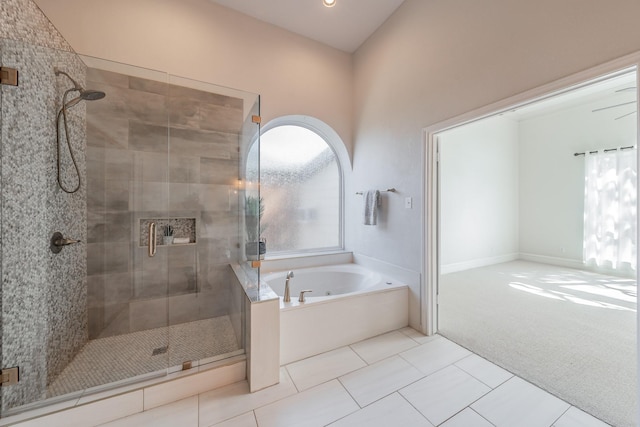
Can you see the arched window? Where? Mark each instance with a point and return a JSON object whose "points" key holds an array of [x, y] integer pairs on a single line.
{"points": [[301, 186]]}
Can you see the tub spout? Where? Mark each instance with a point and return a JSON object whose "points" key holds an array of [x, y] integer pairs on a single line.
{"points": [[301, 298], [287, 292]]}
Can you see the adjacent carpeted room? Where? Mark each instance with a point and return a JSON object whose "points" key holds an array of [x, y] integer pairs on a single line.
{"points": [[532, 201], [569, 331]]}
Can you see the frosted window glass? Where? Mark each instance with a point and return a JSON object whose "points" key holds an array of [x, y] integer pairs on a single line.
{"points": [[300, 186]]}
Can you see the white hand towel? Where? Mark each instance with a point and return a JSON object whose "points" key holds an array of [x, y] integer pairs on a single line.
{"points": [[371, 204]]}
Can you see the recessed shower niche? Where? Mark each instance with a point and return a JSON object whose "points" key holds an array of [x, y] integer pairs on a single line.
{"points": [[168, 231]]}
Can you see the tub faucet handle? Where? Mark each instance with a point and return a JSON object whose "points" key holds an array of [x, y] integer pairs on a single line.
{"points": [[301, 298]]}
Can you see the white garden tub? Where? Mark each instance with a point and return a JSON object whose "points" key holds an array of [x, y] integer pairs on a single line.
{"points": [[349, 303]]}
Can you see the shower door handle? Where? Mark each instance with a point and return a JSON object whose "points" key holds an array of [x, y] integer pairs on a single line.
{"points": [[152, 239]]}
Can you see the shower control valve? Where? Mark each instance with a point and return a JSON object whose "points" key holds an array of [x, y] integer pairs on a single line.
{"points": [[58, 241]]}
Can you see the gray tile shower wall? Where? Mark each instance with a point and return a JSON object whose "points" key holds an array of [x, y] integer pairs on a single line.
{"points": [[169, 153], [44, 318]]}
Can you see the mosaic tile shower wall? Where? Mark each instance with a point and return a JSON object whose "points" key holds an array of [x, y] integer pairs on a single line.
{"points": [[170, 153], [44, 319]]}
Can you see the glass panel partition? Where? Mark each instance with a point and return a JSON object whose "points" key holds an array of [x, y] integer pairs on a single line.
{"points": [[254, 244]]}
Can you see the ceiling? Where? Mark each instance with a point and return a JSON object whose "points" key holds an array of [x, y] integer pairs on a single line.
{"points": [[612, 96], [345, 26]]}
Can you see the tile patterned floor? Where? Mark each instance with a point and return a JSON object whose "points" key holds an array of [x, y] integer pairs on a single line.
{"points": [[107, 360], [401, 378]]}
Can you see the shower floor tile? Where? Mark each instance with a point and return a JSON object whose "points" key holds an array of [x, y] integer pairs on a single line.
{"points": [[116, 358]]}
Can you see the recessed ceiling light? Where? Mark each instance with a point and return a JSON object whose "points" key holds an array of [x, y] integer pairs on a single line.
{"points": [[329, 3]]}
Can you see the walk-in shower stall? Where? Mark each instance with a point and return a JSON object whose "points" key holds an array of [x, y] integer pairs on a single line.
{"points": [[143, 176]]}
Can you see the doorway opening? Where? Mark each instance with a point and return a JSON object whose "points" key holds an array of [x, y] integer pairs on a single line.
{"points": [[531, 237]]}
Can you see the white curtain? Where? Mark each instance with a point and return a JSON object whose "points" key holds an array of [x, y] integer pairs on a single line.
{"points": [[610, 210]]}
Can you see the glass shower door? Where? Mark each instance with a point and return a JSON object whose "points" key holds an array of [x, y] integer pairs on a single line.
{"points": [[127, 208], [205, 310]]}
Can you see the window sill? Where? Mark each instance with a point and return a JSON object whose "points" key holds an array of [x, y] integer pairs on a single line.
{"points": [[304, 260], [289, 255]]}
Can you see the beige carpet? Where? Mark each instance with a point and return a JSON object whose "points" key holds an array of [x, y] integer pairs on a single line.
{"points": [[571, 332], [106, 360]]}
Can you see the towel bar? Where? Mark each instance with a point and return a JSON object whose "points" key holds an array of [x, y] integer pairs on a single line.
{"points": [[388, 190]]}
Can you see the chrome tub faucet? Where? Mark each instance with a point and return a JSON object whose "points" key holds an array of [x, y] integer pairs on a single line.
{"points": [[287, 292]]}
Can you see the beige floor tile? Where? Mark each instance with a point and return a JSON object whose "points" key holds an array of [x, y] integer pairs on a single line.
{"points": [[227, 402], [483, 370], [317, 406], [434, 355], [466, 418], [393, 410], [318, 369], [517, 402], [377, 348], [445, 393], [369, 384], [183, 413], [244, 420]]}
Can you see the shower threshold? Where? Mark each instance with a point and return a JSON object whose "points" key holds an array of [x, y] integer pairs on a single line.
{"points": [[105, 361]]}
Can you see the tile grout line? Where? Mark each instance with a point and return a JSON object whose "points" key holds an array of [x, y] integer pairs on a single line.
{"points": [[286, 370], [425, 375], [352, 398], [411, 338], [350, 395], [561, 415], [469, 373], [480, 415], [411, 404], [460, 411], [359, 356]]}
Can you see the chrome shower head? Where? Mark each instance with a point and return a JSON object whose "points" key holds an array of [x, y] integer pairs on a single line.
{"points": [[84, 94], [91, 95]]}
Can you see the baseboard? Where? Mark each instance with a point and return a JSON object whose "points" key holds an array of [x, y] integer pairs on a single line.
{"points": [[479, 262], [551, 260], [579, 265]]}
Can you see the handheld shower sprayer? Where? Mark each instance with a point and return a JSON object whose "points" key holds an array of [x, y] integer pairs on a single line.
{"points": [[83, 95]]}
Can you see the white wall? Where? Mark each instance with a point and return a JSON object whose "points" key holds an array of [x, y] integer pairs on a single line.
{"points": [[201, 40], [431, 60], [479, 177], [437, 59], [552, 178], [513, 188]]}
